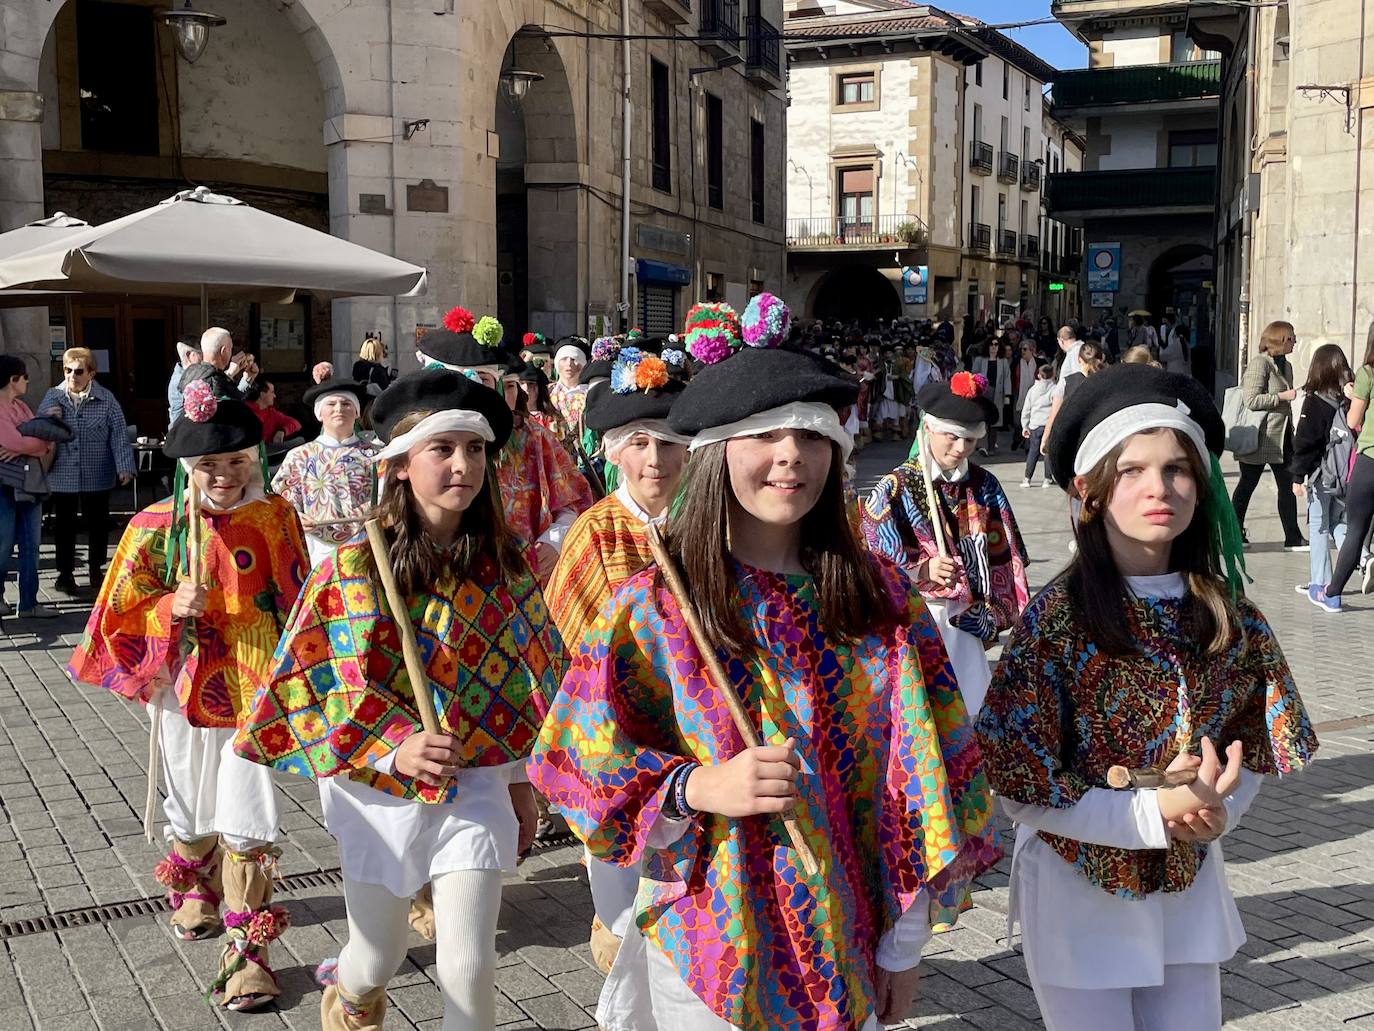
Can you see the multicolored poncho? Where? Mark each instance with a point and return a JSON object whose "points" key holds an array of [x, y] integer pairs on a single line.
{"points": [[339, 697], [253, 566], [327, 481], [601, 551], [538, 479], [1060, 712], [985, 542], [892, 797], [570, 401]]}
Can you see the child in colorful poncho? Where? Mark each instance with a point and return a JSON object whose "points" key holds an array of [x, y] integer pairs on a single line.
{"points": [[841, 671], [196, 655], [1143, 654], [605, 547], [409, 808], [978, 588]]}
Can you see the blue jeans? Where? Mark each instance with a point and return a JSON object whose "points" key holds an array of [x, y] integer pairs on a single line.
{"points": [[1325, 527], [1033, 450], [20, 523]]}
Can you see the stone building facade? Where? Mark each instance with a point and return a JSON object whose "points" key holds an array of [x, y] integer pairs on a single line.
{"points": [[386, 122], [915, 138]]}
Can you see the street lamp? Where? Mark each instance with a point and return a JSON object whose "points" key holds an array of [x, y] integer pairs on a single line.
{"points": [[810, 195], [190, 29], [516, 82]]}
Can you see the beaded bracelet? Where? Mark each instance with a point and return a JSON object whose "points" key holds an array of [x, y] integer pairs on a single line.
{"points": [[677, 808]]}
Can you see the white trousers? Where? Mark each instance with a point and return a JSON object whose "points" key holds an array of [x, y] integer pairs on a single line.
{"points": [[1188, 1000], [466, 906], [966, 654], [676, 1006], [210, 790]]}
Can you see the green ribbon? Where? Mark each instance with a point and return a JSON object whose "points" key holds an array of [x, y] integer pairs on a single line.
{"points": [[1226, 543]]}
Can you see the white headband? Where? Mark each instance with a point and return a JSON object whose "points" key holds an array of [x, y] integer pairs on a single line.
{"points": [[967, 430], [451, 420], [1153, 415], [798, 415], [614, 441], [570, 351], [347, 395]]}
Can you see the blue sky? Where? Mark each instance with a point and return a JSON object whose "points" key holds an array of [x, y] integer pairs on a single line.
{"points": [[1053, 43]]}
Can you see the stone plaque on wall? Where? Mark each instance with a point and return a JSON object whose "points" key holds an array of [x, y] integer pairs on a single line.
{"points": [[426, 196], [373, 204], [659, 239]]}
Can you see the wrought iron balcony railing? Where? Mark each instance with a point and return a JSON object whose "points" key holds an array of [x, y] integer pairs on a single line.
{"points": [[1131, 188], [763, 47], [844, 231], [980, 157], [720, 21], [1030, 247], [1006, 242], [1030, 176], [980, 237], [1008, 166]]}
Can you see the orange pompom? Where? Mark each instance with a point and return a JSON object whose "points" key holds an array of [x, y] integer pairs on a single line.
{"points": [[651, 373], [962, 384]]}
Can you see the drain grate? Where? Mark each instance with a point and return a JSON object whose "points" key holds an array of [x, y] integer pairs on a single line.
{"points": [[113, 911]]}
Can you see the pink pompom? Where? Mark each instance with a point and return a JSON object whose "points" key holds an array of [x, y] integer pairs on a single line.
{"points": [[199, 401]]}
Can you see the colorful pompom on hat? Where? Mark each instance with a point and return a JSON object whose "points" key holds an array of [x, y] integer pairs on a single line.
{"points": [[609, 408], [958, 399], [211, 426], [712, 332], [765, 321], [464, 342]]}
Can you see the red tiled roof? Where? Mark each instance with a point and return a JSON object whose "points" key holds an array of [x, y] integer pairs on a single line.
{"points": [[870, 26]]}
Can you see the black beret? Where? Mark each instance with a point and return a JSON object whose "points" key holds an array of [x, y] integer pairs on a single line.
{"points": [[758, 379], [233, 427], [940, 400], [336, 386], [1119, 387], [607, 410], [439, 390], [461, 349], [597, 368], [532, 373]]}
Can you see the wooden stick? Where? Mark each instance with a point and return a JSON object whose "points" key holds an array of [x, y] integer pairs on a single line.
{"points": [[932, 500], [193, 535], [721, 682], [1121, 777], [410, 648]]}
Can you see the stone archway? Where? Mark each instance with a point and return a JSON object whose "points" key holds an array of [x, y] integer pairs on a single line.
{"points": [[856, 293], [537, 214]]}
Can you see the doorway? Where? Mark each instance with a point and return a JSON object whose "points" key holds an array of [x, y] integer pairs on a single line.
{"points": [[134, 345]]}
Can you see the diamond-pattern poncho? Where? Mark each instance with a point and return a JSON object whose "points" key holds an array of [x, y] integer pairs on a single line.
{"points": [[339, 695], [253, 565], [892, 795]]}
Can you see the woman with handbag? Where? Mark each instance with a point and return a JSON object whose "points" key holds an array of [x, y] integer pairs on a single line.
{"points": [[1268, 387], [20, 512]]}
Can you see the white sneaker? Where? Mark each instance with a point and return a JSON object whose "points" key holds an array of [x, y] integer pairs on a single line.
{"points": [[1046, 484], [6, 609], [39, 612], [1302, 588], [1367, 580], [1026, 483]]}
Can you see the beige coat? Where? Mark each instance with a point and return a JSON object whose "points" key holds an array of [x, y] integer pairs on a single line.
{"points": [[1263, 383]]}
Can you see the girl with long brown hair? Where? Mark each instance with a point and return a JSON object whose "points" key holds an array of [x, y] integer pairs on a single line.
{"points": [[838, 667], [407, 807], [1144, 654]]}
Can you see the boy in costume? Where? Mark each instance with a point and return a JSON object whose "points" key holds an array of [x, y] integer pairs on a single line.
{"points": [[195, 647]]}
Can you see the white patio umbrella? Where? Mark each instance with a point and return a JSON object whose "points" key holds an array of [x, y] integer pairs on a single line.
{"points": [[199, 243], [60, 226]]}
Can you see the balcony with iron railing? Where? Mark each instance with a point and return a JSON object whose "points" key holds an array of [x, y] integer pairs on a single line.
{"points": [[1008, 166], [980, 157], [674, 12], [719, 30], [841, 231], [980, 237], [1030, 176], [1130, 189], [1137, 84], [1006, 243], [763, 51], [1030, 248]]}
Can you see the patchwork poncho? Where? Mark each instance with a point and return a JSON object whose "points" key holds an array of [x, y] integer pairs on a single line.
{"points": [[892, 795], [1060, 712], [339, 698], [538, 479], [253, 566], [601, 551], [326, 482], [984, 541]]}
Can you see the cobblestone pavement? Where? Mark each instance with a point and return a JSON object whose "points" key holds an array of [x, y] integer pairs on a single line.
{"points": [[72, 788]]}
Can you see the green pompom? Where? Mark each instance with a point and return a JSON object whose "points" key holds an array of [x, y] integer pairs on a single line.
{"points": [[488, 331]]}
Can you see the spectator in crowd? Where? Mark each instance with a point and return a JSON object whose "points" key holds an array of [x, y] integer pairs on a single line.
{"points": [[1035, 415], [1023, 378], [1069, 348], [86, 467], [1143, 334], [277, 426], [188, 355], [370, 368], [1268, 388], [230, 375], [1359, 491], [1173, 350], [1139, 356], [1321, 457], [20, 512]]}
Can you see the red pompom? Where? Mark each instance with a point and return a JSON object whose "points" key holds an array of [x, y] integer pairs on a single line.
{"points": [[459, 320], [530, 339], [962, 384]]}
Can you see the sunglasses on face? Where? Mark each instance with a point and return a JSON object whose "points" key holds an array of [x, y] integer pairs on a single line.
{"points": [[76, 372]]}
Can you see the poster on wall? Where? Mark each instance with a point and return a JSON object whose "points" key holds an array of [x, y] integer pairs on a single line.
{"points": [[1104, 267], [915, 284], [1101, 299]]}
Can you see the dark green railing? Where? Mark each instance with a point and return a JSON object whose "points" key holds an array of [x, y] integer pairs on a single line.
{"points": [[1137, 84], [1133, 188]]}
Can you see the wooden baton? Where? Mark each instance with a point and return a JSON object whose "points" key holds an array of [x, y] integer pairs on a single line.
{"points": [[1122, 777], [716, 674], [400, 615], [932, 502]]}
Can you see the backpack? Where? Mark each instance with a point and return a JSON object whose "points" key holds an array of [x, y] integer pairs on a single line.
{"points": [[1338, 458], [1242, 424]]}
